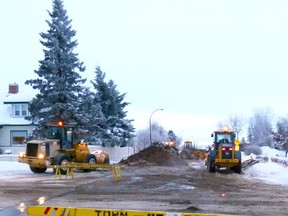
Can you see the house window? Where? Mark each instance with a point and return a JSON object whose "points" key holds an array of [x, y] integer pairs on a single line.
{"points": [[18, 137], [20, 110]]}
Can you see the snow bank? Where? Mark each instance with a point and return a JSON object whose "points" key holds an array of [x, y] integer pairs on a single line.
{"points": [[268, 152], [270, 172], [274, 171]]}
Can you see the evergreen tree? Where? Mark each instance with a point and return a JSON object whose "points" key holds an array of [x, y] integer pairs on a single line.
{"points": [[59, 82], [280, 136], [92, 117], [115, 129]]}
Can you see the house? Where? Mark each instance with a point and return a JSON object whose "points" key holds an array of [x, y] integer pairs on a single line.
{"points": [[14, 128]]}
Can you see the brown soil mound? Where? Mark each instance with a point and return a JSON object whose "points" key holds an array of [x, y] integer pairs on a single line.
{"points": [[155, 155]]}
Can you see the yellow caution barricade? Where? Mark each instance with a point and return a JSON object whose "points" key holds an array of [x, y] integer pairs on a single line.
{"points": [[70, 172], [115, 168], [58, 174], [69, 211], [116, 173]]}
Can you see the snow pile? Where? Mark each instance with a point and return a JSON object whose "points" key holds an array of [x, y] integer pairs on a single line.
{"points": [[273, 171], [268, 152], [270, 172]]}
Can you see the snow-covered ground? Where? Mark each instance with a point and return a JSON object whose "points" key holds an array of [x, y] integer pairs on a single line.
{"points": [[269, 172]]}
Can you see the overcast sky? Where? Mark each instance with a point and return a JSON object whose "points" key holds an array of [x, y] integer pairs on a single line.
{"points": [[201, 61]]}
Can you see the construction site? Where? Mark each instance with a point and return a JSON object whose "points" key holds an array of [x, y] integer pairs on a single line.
{"points": [[153, 181]]}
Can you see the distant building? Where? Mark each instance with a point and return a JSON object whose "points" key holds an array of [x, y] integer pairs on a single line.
{"points": [[14, 129]]}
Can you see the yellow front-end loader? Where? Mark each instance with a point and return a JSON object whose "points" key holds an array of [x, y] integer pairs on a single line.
{"points": [[59, 148], [190, 151]]}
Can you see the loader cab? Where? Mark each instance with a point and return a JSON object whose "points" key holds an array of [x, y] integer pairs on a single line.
{"points": [[188, 145], [223, 137], [62, 133]]}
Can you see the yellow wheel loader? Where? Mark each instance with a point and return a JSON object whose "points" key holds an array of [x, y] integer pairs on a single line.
{"points": [[190, 151], [58, 148], [225, 152]]}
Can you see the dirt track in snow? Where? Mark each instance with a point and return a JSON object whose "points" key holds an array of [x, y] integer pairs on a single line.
{"points": [[178, 188]]}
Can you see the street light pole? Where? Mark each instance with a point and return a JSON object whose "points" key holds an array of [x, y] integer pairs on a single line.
{"points": [[150, 124]]}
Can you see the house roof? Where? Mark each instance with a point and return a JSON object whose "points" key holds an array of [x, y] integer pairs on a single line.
{"points": [[24, 95]]}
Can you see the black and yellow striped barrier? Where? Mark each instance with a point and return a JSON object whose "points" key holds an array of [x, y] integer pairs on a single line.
{"points": [[62, 211], [85, 166]]}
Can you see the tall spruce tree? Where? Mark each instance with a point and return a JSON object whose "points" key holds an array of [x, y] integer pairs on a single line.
{"points": [[94, 117], [115, 129], [280, 136], [59, 82]]}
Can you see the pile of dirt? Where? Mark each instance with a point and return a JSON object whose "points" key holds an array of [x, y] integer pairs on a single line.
{"points": [[155, 155]]}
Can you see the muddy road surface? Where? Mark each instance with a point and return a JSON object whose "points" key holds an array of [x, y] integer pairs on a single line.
{"points": [[178, 188]]}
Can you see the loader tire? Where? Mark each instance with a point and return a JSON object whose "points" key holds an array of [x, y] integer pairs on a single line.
{"points": [[237, 169], [90, 159], [62, 159], [210, 166], [37, 169]]}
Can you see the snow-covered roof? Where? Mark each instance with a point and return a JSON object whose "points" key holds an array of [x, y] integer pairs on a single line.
{"points": [[24, 95]]}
